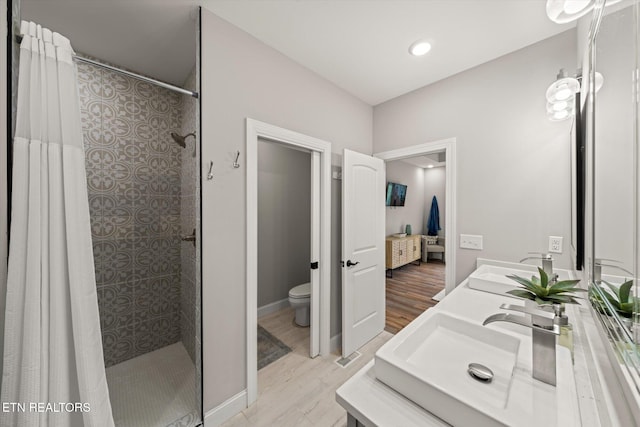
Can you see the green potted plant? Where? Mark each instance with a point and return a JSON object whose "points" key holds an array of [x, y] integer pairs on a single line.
{"points": [[623, 303], [541, 291], [622, 300]]}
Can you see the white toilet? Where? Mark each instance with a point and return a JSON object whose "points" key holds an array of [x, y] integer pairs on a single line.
{"points": [[300, 300]]}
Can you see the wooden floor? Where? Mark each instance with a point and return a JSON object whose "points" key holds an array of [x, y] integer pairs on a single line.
{"points": [[296, 390], [410, 290]]}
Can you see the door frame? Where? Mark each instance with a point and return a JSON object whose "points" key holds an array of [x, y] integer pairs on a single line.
{"points": [[449, 147], [254, 130]]}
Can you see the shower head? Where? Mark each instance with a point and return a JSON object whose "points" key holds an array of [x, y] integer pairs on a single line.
{"points": [[182, 140]]}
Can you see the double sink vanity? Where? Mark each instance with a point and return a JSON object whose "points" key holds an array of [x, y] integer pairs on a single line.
{"points": [[477, 358], [424, 375]]}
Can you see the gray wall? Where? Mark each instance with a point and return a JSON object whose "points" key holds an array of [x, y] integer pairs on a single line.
{"points": [[133, 179], [435, 185], [513, 182], [397, 217], [284, 220], [242, 77]]}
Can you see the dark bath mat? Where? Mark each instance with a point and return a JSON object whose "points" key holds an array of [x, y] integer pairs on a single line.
{"points": [[270, 348]]}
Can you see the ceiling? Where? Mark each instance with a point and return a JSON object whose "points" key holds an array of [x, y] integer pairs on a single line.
{"points": [[361, 46], [428, 161], [152, 37]]}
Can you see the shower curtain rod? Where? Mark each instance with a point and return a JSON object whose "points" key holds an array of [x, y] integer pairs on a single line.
{"points": [[129, 73]]}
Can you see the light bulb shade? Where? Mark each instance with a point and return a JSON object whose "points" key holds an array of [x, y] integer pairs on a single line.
{"points": [[558, 106], [554, 107], [557, 116], [599, 81], [563, 11], [560, 115], [562, 89]]}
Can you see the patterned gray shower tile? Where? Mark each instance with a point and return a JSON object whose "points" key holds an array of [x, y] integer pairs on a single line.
{"points": [[117, 204], [118, 345], [172, 184], [130, 160], [117, 261], [117, 305]]}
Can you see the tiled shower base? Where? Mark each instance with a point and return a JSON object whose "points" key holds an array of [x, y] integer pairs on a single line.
{"points": [[156, 389]]}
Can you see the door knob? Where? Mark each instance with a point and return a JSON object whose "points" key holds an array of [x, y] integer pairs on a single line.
{"points": [[350, 264]]}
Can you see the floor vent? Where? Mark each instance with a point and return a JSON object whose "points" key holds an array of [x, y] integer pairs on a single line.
{"points": [[343, 362]]}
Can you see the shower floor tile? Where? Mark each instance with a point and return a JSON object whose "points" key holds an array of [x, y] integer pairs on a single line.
{"points": [[156, 389]]}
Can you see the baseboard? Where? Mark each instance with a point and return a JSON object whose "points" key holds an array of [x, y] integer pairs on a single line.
{"points": [[439, 296], [273, 307], [335, 343], [226, 410]]}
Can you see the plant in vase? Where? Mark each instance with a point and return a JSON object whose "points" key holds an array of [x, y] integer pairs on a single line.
{"points": [[622, 299], [624, 304], [554, 294], [541, 291]]}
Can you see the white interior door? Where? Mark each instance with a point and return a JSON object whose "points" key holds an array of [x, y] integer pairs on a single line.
{"points": [[363, 272], [315, 255]]}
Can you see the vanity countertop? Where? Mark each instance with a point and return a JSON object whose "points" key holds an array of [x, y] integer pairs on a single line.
{"points": [[374, 403]]}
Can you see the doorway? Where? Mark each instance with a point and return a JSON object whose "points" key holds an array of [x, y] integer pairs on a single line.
{"points": [[415, 239], [448, 146], [319, 269]]}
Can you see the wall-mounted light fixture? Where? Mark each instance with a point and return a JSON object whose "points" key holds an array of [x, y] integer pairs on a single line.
{"points": [[563, 11], [561, 95]]}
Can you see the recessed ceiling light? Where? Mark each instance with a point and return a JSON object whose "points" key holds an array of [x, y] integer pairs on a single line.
{"points": [[430, 166], [419, 48]]}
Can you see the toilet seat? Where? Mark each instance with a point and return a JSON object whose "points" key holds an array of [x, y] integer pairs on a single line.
{"points": [[300, 291]]}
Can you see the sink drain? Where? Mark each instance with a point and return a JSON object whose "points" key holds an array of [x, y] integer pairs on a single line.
{"points": [[480, 372]]}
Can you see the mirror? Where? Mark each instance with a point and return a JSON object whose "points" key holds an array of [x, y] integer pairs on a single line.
{"points": [[611, 128]]}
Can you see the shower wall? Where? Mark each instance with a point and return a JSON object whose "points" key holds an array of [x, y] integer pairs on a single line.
{"points": [[133, 174], [189, 292]]}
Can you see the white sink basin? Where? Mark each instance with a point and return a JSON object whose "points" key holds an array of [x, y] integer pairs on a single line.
{"points": [[492, 278], [428, 364]]}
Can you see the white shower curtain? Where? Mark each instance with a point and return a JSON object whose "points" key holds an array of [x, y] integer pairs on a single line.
{"points": [[54, 372]]}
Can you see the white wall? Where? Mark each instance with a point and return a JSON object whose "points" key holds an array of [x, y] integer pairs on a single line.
{"points": [[513, 181], [614, 157], [397, 217], [242, 77], [284, 220], [435, 185]]}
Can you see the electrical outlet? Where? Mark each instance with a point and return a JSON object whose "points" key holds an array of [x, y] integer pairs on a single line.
{"points": [[555, 244], [471, 241]]}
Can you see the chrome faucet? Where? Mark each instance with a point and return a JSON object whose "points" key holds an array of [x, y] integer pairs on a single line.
{"points": [[547, 264], [597, 271], [544, 331]]}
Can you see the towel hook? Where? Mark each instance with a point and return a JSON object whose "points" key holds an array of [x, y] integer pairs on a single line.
{"points": [[235, 162], [210, 174]]}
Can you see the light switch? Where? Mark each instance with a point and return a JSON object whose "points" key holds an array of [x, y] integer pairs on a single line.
{"points": [[471, 241]]}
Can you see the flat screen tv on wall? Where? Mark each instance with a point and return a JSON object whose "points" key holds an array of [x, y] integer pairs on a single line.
{"points": [[396, 194]]}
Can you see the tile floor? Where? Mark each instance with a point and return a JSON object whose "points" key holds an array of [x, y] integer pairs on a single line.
{"points": [[156, 389], [296, 390]]}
